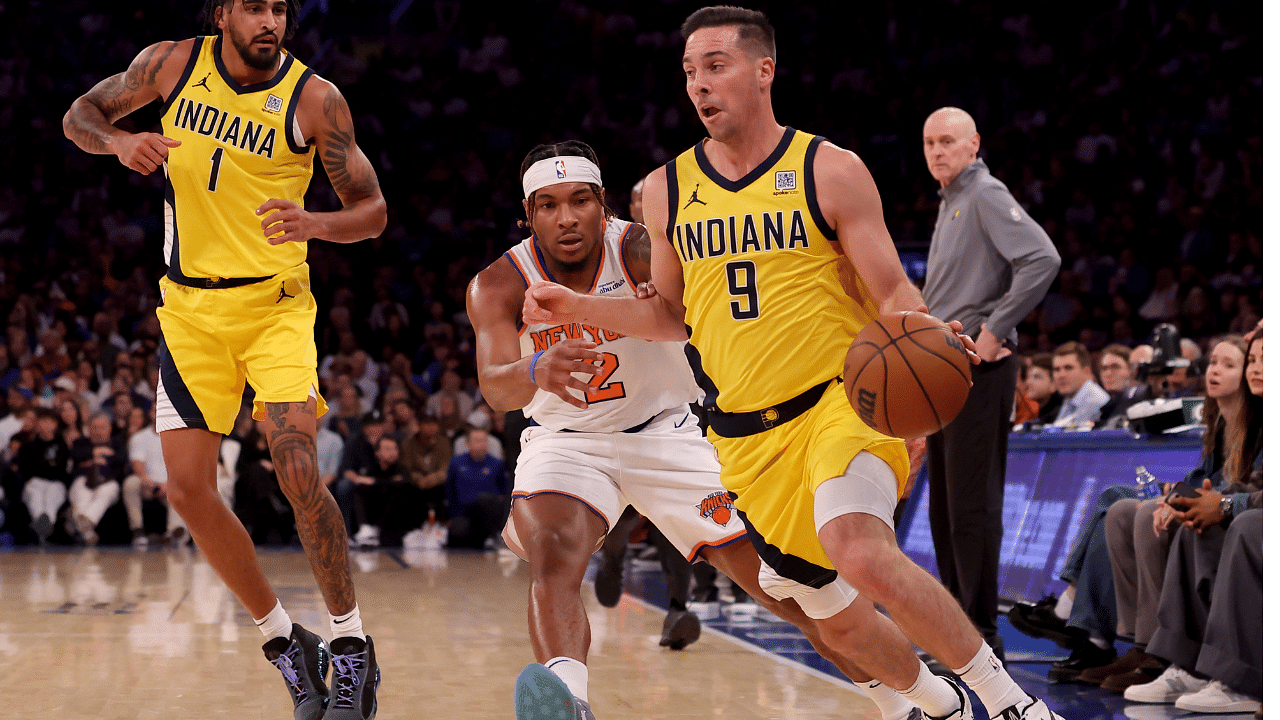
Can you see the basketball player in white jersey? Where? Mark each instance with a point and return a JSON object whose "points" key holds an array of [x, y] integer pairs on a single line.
{"points": [[611, 427]]}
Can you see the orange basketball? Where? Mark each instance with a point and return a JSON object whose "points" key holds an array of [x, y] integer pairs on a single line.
{"points": [[907, 374]]}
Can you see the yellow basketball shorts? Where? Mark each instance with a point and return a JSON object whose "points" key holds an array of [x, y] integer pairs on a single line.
{"points": [[214, 339], [774, 474]]}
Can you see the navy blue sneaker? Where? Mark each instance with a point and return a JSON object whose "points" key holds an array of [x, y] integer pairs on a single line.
{"points": [[303, 659], [354, 695]]}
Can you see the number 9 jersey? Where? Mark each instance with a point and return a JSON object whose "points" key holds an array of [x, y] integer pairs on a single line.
{"points": [[642, 378], [771, 301], [240, 147]]}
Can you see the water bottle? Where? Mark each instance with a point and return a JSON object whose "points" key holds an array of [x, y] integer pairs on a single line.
{"points": [[1148, 486]]}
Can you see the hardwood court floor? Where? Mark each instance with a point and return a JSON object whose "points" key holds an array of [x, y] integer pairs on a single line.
{"points": [[116, 634]]}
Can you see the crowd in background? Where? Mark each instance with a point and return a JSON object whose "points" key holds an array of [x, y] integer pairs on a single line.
{"points": [[1131, 131]]}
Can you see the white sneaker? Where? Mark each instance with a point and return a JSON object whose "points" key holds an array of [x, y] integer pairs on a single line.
{"points": [[1033, 709], [414, 540], [1217, 698], [1172, 684], [740, 612], [368, 536], [709, 610]]}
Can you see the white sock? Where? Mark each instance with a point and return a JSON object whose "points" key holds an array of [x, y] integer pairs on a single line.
{"points": [[935, 696], [991, 682], [1063, 609], [573, 673], [276, 623], [892, 705], [1100, 641], [348, 625]]}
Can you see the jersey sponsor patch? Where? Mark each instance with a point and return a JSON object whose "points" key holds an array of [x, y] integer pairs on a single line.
{"points": [[717, 506], [1017, 216], [784, 180], [274, 105]]}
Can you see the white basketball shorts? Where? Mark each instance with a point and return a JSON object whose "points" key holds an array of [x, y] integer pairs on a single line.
{"points": [[667, 470]]}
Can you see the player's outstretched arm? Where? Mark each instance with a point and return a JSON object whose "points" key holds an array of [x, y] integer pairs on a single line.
{"points": [[88, 123], [325, 120], [508, 379], [645, 316]]}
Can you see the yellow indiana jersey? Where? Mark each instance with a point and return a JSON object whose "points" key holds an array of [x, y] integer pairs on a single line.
{"points": [[772, 302], [240, 148]]}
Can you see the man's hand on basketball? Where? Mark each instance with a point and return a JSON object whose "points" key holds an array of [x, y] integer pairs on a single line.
{"points": [[989, 347], [548, 303], [969, 345], [554, 369], [142, 152], [958, 328], [288, 223]]}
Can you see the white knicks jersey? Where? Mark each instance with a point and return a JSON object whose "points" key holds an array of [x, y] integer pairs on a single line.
{"points": [[641, 379]]}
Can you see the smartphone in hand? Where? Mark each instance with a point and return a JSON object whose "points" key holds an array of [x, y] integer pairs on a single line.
{"points": [[1182, 488]]}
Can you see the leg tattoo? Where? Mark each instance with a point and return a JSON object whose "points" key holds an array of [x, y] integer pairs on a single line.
{"points": [[319, 522]]}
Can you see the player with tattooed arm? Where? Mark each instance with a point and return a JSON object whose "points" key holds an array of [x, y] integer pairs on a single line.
{"points": [[242, 120]]}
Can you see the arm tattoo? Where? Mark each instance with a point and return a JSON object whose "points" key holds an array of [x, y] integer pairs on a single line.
{"points": [[319, 522], [348, 169], [114, 95], [113, 98], [636, 252], [155, 67]]}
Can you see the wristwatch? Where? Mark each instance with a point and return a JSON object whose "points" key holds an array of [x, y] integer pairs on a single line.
{"points": [[1226, 507]]}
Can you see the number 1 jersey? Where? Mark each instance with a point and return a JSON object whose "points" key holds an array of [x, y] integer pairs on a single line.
{"points": [[642, 378], [240, 147], [771, 301]]}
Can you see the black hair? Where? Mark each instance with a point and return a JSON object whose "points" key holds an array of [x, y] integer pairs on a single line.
{"points": [[575, 148], [294, 9], [754, 30]]}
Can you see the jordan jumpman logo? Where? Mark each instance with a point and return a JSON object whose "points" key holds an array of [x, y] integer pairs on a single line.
{"points": [[694, 197]]}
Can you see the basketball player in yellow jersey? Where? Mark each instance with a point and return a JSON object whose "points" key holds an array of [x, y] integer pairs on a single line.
{"points": [[756, 219], [242, 120]]}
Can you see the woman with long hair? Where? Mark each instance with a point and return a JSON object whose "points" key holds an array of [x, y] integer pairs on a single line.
{"points": [[1139, 533], [71, 420], [1102, 602], [1209, 622]]}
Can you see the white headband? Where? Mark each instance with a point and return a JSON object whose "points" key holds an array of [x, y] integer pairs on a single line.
{"points": [[560, 169]]}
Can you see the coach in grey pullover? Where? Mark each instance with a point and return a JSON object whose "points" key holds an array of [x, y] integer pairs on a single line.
{"points": [[989, 265], [989, 262]]}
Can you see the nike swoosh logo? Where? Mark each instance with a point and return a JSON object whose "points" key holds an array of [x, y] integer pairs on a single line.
{"points": [[683, 420]]}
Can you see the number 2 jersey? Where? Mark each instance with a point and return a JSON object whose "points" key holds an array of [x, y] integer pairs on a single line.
{"points": [[642, 378], [240, 147], [771, 301]]}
